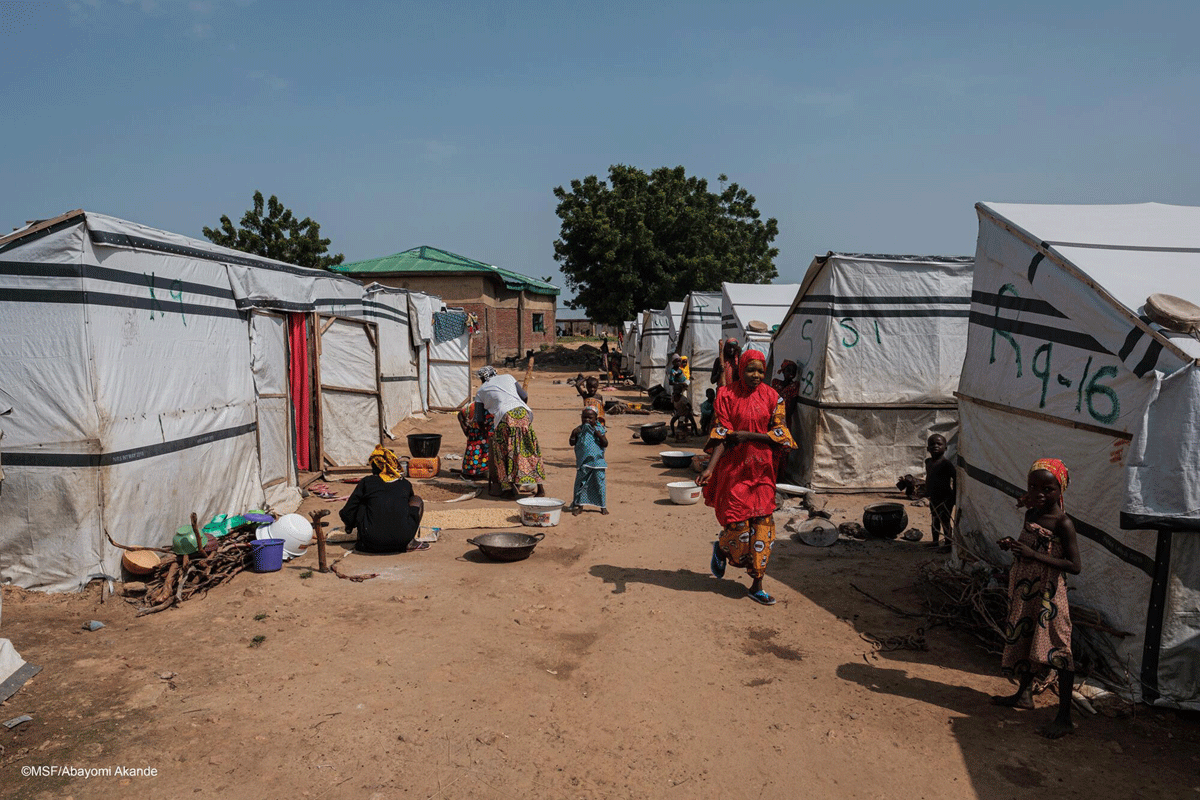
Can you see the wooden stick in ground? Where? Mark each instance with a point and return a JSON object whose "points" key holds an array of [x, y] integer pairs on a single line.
{"points": [[319, 528], [196, 533]]}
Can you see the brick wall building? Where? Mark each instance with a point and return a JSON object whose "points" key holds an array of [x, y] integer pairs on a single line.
{"points": [[516, 313]]}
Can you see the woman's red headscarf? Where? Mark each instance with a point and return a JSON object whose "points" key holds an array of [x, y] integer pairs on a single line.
{"points": [[747, 357]]}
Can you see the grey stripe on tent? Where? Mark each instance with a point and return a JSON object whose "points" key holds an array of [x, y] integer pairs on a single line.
{"points": [[887, 299], [1070, 338], [141, 243], [109, 275], [79, 297], [1127, 554], [75, 460], [395, 378], [884, 312], [1130, 247], [36, 270], [1014, 303]]}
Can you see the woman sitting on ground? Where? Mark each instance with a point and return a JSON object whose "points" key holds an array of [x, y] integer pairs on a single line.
{"points": [[383, 508]]}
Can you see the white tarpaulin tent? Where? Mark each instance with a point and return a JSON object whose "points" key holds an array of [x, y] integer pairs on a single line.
{"points": [[1061, 362], [654, 335], [878, 341], [700, 340], [743, 303], [675, 320], [148, 373]]}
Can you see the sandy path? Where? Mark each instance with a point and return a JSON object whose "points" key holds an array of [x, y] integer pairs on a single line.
{"points": [[609, 665]]}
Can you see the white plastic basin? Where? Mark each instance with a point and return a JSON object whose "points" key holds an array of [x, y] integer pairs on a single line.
{"points": [[684, 493], [540, 512]]}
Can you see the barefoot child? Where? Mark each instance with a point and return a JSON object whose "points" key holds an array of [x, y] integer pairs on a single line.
{"points": [[589, 441], [940, 488], [588, 390], [1038, 632], [683, 421], [706, 411]]}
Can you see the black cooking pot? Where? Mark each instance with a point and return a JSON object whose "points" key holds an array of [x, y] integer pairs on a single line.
{"points": [[424, 445], [654, 433], [886, 520]]}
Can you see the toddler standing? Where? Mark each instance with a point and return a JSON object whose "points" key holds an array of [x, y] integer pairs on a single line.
{"points": [[589, 441]]}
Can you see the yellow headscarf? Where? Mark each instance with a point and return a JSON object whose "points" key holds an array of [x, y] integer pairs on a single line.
{"points": [[387, 463]]}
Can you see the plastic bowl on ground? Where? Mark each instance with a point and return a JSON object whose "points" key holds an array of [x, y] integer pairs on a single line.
{"points": [[676, 459], [684, 493], [293, 529], [540, 512]]}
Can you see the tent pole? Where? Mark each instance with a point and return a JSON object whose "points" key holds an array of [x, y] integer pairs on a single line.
{"points": [[1152, 643]]}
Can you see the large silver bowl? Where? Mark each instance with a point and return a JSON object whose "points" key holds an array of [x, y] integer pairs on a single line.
{"points": [[507, 546]]}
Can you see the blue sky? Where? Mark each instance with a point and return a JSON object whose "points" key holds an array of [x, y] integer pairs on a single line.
{"points": [[859, 126]]}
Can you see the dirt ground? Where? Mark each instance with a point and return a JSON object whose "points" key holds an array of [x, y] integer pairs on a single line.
{"points": [[608, 665]]}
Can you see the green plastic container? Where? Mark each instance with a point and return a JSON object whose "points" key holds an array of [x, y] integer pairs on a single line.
{"points": [[184, 543]]}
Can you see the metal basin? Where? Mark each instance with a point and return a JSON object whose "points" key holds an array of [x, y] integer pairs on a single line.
{"points": [[507, 546]]}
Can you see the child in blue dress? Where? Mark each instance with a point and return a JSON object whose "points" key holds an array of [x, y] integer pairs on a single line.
{"points": [[589, 441]]}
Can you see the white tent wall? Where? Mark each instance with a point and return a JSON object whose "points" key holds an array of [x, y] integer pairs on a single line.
{"points": [[1056, 365], [743, 303], [653, 337], [878, 342], [398, 360], [675, 320], [633, 342], [449, 373], [700, 340], [351, 414], [269, 366]]}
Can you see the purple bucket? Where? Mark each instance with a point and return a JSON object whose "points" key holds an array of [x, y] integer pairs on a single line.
{"points": [[266, 555]]}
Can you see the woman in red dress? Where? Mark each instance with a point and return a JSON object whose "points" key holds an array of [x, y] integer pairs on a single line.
{"points": [[739, 483]]}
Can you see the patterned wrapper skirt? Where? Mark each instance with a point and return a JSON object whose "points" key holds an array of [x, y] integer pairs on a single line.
{"points": [[515, 449], [475, 457]]}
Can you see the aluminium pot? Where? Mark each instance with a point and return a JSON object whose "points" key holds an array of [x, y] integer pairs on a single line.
{"points": [[507, 546]]}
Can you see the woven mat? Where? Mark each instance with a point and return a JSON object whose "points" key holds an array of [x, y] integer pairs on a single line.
{"points": [[465, 518]]}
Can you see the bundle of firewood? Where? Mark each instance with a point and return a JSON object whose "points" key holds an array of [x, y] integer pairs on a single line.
{"points": [[176, 579]]}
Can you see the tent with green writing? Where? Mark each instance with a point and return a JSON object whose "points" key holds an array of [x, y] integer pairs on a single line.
{"points": [[878, 341], [1063, 360], [152, 375]]}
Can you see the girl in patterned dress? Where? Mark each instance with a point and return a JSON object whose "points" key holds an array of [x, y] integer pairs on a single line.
{"points": [[589, 441], [739, 483], [475, 457], [1038, 633]]}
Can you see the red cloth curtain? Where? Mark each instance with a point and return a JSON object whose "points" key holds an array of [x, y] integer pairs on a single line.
{"points": [[299, 384]]}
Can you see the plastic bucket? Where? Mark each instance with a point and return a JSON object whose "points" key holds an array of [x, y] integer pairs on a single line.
{"points": [[266, 555]]}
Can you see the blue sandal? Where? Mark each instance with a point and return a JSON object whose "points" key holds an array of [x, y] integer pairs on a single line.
{"points": [[717, 564], [762, 597]]}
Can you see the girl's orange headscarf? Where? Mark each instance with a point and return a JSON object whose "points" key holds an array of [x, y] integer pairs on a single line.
{"points": [[1056, 468]]}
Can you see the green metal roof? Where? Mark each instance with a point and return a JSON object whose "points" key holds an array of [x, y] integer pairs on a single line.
{"points": [[431, 260]]}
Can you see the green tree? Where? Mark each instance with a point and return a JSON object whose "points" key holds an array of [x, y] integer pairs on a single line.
{"points": [[276, 234], [640, 240]]}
